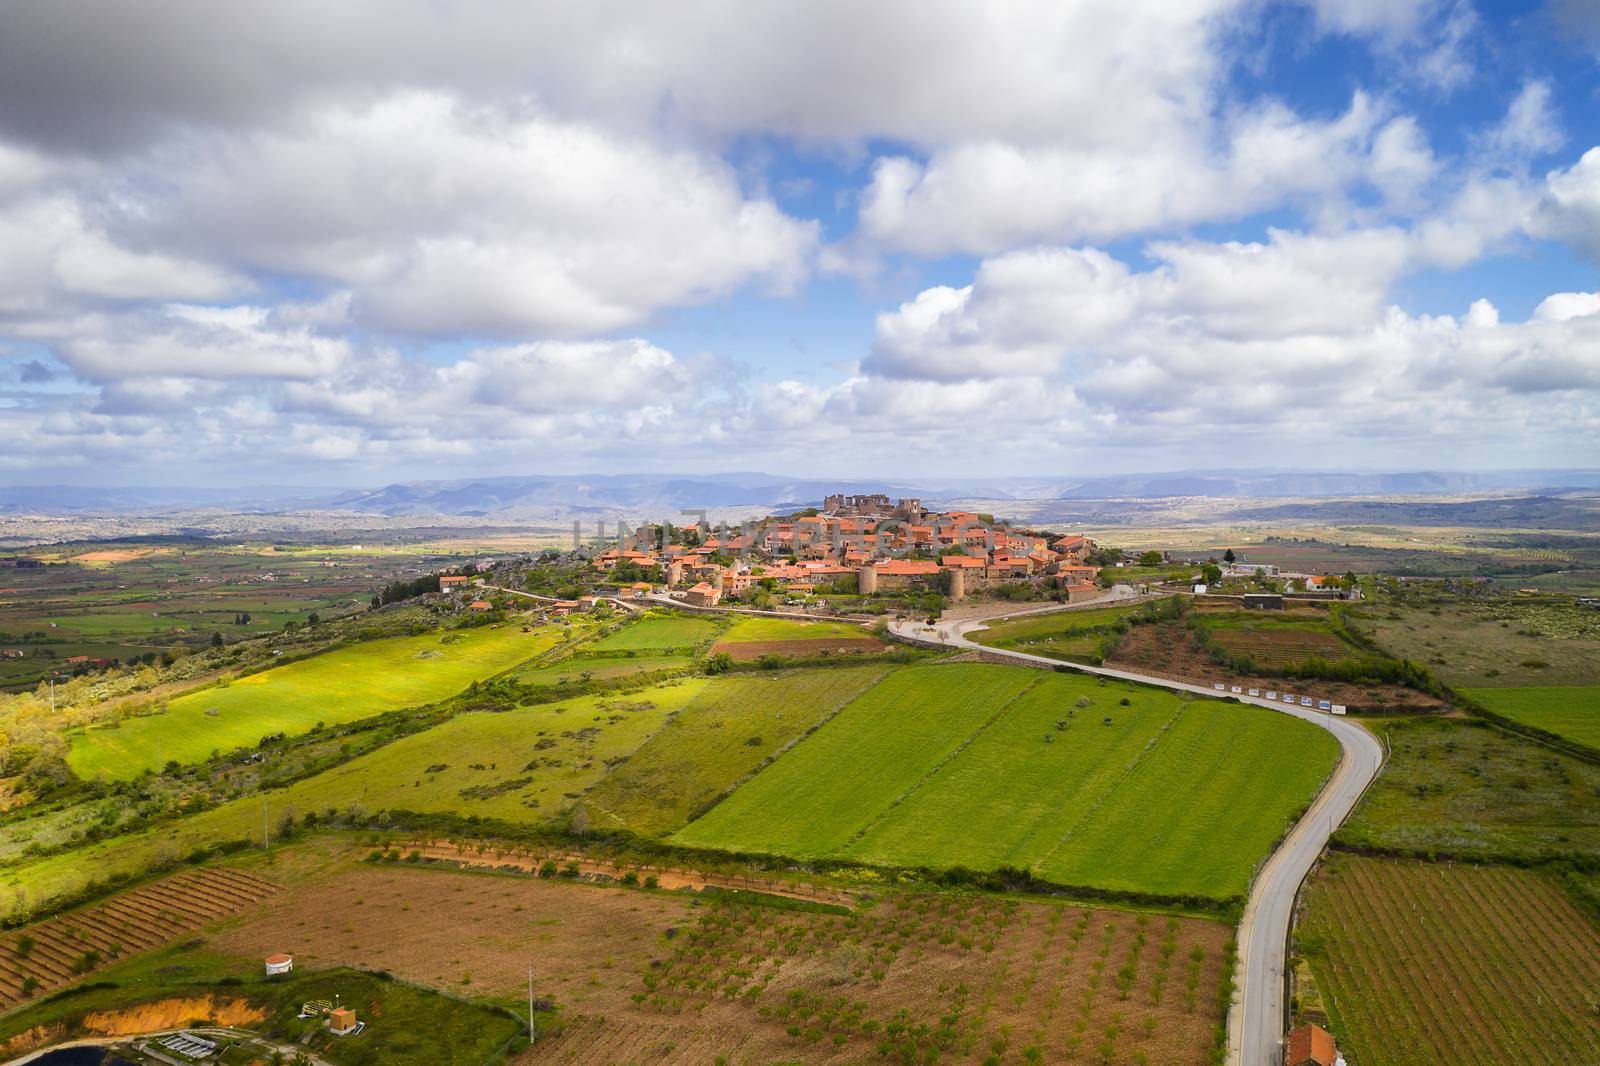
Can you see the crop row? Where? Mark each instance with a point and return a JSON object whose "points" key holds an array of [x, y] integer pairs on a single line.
{"points": [[57, 951]]}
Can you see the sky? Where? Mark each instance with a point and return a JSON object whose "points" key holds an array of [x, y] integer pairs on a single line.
{"points": [[348, 244]]}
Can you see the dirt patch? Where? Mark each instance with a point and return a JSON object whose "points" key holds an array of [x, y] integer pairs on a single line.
{"points": [[1281, 647], [1164, 652], [171, 1014], [670, 878], [749, 651], [117, 555], [645, 977]]}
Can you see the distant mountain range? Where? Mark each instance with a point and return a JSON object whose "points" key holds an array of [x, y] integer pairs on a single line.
{"points": [[665, 495]]}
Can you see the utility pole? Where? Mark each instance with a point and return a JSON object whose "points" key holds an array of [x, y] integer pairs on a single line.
{"points": [[533, 1034], [52, 697], [264, 823]]}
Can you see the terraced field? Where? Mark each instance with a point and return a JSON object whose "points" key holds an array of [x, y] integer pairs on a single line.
{"points": [[1570, 711], [990, 766], [340, 686], [1429, 963], [43, 957]]}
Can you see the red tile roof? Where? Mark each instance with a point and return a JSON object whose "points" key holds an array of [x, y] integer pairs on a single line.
{"points": [[1310, 1045]]}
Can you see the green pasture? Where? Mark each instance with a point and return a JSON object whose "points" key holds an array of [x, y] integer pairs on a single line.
{"points": [[1464, 787], [1571, 711], [989, 766], [353, 682], [658, 632], [719, 737], [750, 629]]}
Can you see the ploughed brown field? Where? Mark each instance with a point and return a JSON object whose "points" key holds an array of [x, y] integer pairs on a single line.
{"points": [[1281, 647], [647, 977], [48, 954], [750, 650]]}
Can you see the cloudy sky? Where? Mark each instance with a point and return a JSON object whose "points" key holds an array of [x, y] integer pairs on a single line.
{"points": [[343, 244]]}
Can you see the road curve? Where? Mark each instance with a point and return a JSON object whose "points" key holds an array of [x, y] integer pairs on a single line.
{"points": [[1255, 1022]]}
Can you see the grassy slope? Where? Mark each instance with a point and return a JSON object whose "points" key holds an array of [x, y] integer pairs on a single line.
{"points": [[658, 633], [1571, 711], [752, 628], [948, 765], [811, 801], [1466, 788], [341, 686], [705, 749]]}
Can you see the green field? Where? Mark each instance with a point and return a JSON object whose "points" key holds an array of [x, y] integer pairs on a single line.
{"points": [[989, 766], [723, 734], [1571, 711], [341, 686], [1463, 787], [659, 632], [1073, 635], [599, 668], [751, 629]]}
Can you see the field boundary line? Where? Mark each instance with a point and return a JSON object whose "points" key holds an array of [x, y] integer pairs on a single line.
{"points": [[940, 765]]}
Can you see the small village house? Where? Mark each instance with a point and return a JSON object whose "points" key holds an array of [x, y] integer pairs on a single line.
{"points": [[1310, 1045], [342, 1021], [703, 595]]}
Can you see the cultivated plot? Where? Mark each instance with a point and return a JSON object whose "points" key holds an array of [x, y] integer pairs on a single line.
{"points": [[339, 686], [1475, 965], [726, 732], [990, 766], [658, 633]]}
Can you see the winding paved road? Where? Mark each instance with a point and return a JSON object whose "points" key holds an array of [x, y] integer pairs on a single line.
{"points": [[1255, 1022]]}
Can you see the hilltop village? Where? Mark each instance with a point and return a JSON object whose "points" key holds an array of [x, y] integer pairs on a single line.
{"points": [[853, 545]]}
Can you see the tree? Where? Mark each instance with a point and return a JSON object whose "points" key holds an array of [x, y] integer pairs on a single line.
{"points": [[1150, 558], [1228, 556], [312, 618], [1211, 574], [216, 640]]}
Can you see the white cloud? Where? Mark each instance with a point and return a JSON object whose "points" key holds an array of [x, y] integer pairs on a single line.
{"points": [[184, 341], [1570, 210], [443, 219], [984, 196]]}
